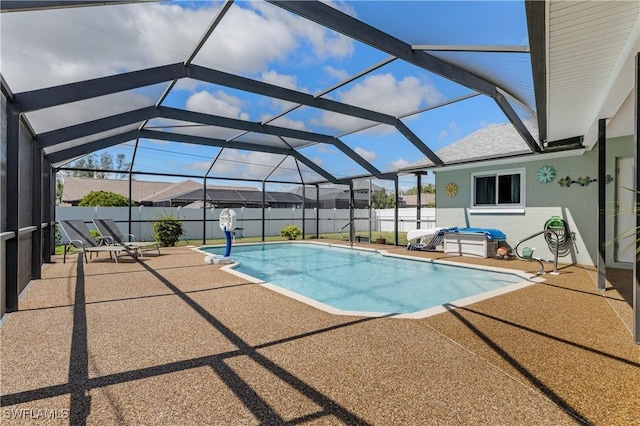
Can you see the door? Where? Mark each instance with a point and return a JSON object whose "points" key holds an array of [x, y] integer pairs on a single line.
{"points": [[625, 217]]}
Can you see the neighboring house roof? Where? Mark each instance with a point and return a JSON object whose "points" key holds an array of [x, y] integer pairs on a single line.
{"points": [[331, 191], [412, 200], [172, 190], [76, 188]]}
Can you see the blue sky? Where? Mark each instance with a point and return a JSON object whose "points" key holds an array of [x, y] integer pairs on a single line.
{"points": [[263, 42]]}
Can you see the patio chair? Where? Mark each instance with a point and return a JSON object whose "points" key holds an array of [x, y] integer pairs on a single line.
{"points": [[426, 239], [112, 235], [80, 237]]}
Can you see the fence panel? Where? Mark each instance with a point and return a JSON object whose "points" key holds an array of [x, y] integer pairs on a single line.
{"points": [[249, 219]]}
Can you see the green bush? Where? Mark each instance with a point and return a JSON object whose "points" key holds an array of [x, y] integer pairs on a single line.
{"points": [[167, 230], [291, 232], [104, 199]]}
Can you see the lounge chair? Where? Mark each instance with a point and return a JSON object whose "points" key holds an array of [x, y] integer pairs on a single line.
{"points": [[112, 235], [425, 239], [80, 237]]}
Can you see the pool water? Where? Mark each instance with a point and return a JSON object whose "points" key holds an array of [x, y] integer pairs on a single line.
{"points": [[357, 280]]}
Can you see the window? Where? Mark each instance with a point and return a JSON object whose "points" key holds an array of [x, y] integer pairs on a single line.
{"points": [[503, 189]]}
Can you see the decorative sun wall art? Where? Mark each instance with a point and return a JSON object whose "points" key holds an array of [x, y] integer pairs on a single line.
{"points": [[451, 189], [545, 174]]}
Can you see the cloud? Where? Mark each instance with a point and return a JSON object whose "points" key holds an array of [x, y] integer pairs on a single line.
{"points": [[367, 155], [338, 74], [398, 164], [218, 103], [248, 164], [382, 93], [286, 122]]}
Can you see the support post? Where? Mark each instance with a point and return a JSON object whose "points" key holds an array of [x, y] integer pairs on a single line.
{"points": [[130, 208], [49, 203], [11, 247], [396, 187], [36, 209], [264, 202], [352, 222], [636, 269], [602, 171], [419, 202], [370, 214], [204, 211], [303, 209], [317, 211]]}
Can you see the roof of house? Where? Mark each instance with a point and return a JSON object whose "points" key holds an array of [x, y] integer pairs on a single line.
{"points": [[494, 141], [75, 188]]}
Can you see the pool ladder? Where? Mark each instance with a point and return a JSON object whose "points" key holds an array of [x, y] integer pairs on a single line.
{"points": [[342, 229], [537, 259]]}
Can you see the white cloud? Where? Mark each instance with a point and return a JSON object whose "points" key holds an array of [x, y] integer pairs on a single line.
{"points": [[286, 122], [338, 74], [367, 155], [443, 134], [218, 103], [398, 164], [385, 94]]}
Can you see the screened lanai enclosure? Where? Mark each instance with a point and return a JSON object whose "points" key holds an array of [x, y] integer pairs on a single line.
{"points": [[285, 96]]}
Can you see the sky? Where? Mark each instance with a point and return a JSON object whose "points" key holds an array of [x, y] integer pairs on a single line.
{"points": [[263, 42]]}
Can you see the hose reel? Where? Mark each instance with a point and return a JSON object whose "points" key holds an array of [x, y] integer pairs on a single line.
{"points": [[561, 229]]}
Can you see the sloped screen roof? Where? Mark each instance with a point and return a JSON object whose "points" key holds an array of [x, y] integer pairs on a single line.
{"points": [[281, 91]]}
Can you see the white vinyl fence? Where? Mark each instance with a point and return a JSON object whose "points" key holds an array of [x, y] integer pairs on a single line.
{"points": [[330, 220]]}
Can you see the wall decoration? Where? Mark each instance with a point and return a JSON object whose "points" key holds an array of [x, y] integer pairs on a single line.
{"points": [[582, 181], [609, 179], [545, 174], [451, 189], [565, 181]]}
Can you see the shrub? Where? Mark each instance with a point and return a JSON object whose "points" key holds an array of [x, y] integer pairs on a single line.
{"points": [[291, 232], [167, 230], [104, 199]]}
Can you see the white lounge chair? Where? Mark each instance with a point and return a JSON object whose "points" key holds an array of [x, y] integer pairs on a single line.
{"points": [[112, 235], [80, 237], [425, 239]]}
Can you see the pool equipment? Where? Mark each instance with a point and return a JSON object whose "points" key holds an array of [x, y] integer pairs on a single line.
{"points": [[227, 224]]}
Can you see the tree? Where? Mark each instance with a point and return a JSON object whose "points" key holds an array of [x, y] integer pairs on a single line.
{"points": [[104, 199], [381, 200], [59, 189], [426, 189], [93, 170]]}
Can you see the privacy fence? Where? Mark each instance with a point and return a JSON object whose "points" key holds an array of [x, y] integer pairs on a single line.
{"points": [[198, 222]]}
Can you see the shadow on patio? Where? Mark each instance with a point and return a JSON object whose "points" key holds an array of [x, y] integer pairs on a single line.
{"points": [[170, 340]]}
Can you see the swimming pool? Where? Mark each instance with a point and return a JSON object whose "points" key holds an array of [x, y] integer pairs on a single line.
{"points": [[365, 282]]}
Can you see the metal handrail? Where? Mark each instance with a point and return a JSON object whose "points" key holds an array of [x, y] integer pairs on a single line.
{"points": [[537, 259], [342, 229]]}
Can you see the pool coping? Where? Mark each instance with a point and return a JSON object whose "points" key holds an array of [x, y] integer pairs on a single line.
{"points": [[528, 279]]}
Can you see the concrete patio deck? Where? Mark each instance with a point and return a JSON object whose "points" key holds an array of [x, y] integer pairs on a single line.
{"points": [[171, 340]]}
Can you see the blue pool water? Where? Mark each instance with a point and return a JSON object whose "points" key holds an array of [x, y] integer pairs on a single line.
{"points": [[356, 280]]}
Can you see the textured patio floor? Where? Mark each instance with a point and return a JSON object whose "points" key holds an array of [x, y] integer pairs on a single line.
{"points": [[171, 340]]}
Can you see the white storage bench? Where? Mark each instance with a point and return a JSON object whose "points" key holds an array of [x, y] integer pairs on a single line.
{"points": [[469, 244]]}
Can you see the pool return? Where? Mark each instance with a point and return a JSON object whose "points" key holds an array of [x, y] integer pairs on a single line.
{"points": [[227, 224]]}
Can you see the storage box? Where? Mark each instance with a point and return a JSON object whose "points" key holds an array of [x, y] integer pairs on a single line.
{"points": [[469, 244]]}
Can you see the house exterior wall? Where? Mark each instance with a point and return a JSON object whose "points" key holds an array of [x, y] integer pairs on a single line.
{"points": [[576, 205]]}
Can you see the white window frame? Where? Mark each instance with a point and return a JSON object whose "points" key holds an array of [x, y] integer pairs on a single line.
{"points": [[498, 208]]}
